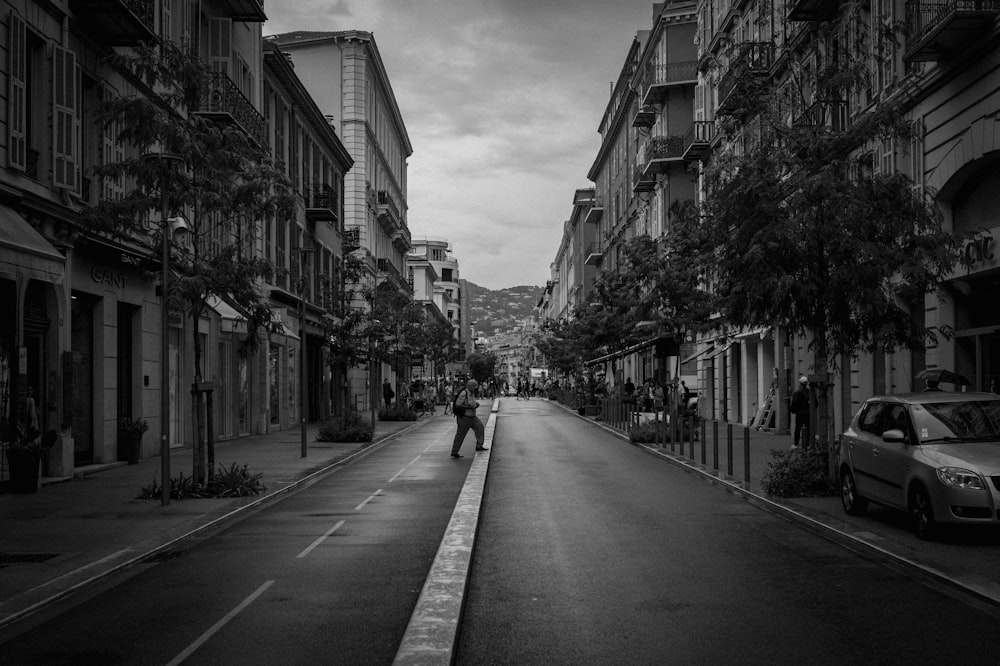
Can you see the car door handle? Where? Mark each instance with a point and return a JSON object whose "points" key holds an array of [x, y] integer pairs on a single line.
{"points": [[874, 450]]}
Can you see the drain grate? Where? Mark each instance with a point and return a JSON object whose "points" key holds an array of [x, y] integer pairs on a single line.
{"points": [[26, 558], [162, 556]]}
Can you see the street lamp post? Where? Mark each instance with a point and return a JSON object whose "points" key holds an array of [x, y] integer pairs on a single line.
{"points": [[168, 226], [304, 252]]}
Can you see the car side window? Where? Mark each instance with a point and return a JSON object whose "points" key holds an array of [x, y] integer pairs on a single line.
{"points": [[870, 418], [896, 419]]}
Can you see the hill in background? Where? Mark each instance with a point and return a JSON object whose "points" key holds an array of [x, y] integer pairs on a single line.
{"points": [[501, 310]]}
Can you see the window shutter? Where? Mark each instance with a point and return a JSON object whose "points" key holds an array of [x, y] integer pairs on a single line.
{"points": [[17, 95], [65, 124]]}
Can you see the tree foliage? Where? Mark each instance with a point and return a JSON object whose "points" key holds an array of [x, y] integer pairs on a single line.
{"points": [[481, 366]]}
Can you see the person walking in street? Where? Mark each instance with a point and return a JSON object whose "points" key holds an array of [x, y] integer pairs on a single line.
{"points": [[387, 393], [800, 409], [430, 398], [465, 415], [448, 394]]}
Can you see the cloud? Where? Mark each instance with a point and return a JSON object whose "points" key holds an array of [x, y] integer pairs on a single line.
{"points": [[502, 100]]}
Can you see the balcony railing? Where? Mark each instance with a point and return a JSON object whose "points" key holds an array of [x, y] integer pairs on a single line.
{"points": [[831, 115], [641, 181], [322, 203], [812, 10], [119, 22], [644, 117], [391, 273], [594, 254], [698, 139], [351, 239], [248, 11], [937, 29], [595, 213], [752, 60], [388, 211], [222, 99], [660, 77]]}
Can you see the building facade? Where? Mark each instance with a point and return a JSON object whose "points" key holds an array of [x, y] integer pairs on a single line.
{"points": [[345, 75]]}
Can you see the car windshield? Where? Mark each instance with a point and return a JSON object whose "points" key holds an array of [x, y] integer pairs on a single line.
{"points": [[972, 420]]}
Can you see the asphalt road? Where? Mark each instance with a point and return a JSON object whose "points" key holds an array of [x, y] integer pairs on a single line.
{"points": [[328, 575], [593, 552]]}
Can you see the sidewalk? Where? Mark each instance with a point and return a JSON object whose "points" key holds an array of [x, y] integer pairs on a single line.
{"points": [[968, 560], [75, 531]]}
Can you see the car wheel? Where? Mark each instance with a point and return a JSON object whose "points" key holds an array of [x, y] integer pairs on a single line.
{"points": [[853, 503], [922, 513]]}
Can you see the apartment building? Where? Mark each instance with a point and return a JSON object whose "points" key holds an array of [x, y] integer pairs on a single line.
{"points": [[447, 288], [941, 68], [85, 316], [307, 251], [344, 73]]}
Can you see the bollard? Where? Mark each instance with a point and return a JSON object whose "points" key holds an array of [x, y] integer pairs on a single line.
{"points": [[702, 439], [689, 438], [729, 449], [715, 445], [746, 455]]}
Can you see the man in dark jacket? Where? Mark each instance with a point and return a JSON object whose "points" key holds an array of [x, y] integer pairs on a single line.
{"points": [[800, 409]]}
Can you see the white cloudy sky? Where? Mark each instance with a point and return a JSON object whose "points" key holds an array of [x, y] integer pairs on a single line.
{"points": [[501, 100]]}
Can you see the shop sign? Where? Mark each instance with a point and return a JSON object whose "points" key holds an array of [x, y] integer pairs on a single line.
{"points": [[103, 275], [980, 248]]}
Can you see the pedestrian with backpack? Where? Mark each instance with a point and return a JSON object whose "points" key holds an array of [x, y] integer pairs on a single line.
{"points": [[464, 406]]}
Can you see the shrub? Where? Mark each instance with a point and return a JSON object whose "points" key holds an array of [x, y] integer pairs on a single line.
{"points": [[798, 473], [348, 428], [233, 482], [652, 431], [397, 413]]}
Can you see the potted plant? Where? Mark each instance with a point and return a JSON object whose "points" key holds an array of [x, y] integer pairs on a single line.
{"points": [[130, 433], [24, 453]]}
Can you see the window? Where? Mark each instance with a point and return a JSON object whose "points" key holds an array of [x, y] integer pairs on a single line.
{"points": [[870, 418], [65, 120], [17, 95], [446, 275], [220, 44]]}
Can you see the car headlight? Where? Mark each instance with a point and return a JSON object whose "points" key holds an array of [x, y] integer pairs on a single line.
{"points": [[960, 478]]}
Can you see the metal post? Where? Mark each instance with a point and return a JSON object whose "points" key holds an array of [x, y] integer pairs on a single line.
{"points": [[746, 455], [715, 445], [729, 449], [164, 343], [702, 438], [304, 253]]}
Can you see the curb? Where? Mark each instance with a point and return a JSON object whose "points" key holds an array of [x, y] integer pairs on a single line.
{"points": [[310, 476], [432, 633]]}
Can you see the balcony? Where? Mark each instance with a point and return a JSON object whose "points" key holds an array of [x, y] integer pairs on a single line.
{"points": [[660, 78], [935, 30], [119, 22], [351, 240], [322, 204], [641, 181], [401, 239], [595, 213], [248, 11], [644, 117], [824, 115], [593, 255], [389, 272], [698, 140], [751, 63], [387, 211], [812, 10], [663, 152], [222, 101]]}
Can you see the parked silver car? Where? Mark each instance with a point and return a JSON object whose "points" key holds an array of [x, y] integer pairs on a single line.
{"points": [[935, 455]]}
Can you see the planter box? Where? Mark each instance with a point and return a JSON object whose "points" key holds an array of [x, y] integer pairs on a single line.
{"points": [[129, 447]]}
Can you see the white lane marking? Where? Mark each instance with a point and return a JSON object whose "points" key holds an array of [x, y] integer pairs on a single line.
{"points": [[320, 540], [189, 650], [370, 498], [404, 469]]}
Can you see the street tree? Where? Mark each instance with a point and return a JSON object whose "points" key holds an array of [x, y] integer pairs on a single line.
{"points": [[174, 161], [481, 366], [801, 229]]}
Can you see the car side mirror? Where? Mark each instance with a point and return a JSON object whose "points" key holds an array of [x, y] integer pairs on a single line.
{"points": [[894, 435]]}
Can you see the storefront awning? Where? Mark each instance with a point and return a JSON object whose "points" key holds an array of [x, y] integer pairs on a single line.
{"points": [[695, 355], [25, 252], [719, 350], [664, 346], [232, 319]]}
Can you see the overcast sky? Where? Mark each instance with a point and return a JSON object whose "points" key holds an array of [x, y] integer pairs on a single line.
{"points": [[502, 100]]}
